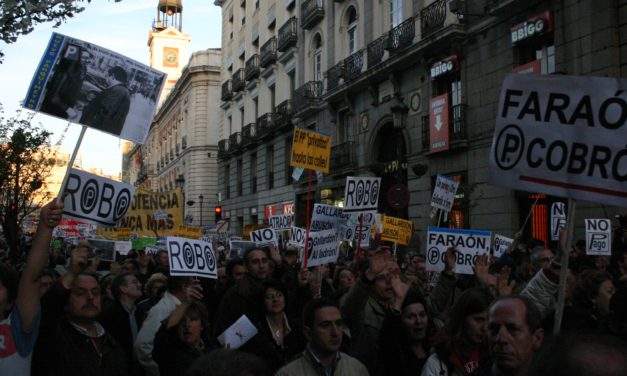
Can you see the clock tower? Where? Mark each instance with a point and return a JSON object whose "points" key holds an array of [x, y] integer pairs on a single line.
{"points": [[168, 46]]}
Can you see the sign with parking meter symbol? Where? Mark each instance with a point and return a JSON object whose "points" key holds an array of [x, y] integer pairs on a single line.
{"points": [[189, 257]]}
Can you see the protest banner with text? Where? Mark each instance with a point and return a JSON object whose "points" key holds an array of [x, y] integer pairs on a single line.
{"points": [[361, 194], [500, 244], [323, 248], [325, 217], [468, 243], [281, 222], [140, 217], [396, 230], [190, 257], [311, 150], [444, 193], [264, 236]]}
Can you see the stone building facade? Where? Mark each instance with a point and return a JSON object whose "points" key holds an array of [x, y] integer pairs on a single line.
{"points": [[372, 73]]}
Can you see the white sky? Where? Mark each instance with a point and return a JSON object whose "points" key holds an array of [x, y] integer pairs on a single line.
{"points": [[122, 27]]}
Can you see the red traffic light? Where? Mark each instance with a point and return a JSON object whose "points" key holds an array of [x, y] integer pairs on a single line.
{"points": [[218, 209]]}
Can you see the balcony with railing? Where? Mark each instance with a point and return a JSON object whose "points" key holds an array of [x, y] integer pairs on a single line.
{"points": [[353, 65], [224, 147], [252, 68], [227, 91], [307, 96], [312, 12], [265, 124], [401, 36], [239, 82], [268, 53], [283, 114], [235, 141], [334, 75], [343, 158], [288, 35], [249, 134], [433, 17], [376, 49]]}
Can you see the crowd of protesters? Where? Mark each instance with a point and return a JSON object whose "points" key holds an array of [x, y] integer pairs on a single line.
{"points": [[373, 313]]}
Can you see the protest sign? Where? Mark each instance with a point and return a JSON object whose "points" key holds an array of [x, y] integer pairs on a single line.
{"points": [[558, 219], [598, 237], [103, 249], [323, 247], [151, 250], [468, 243], [73, 228], [325, 217], [310, 150], [563, 136], [236, 335], [239, 248], [281, 222], [264, 236], [189, 232], [297, 237], [396, 230], [122, 247], [95, 199], [361, 194], [444, 193], [90, 85], [141, 243], [189, 257], [500, 244], [140, 216]]}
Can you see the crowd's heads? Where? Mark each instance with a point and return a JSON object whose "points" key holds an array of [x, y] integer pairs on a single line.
{"points": [[415, 317], [105, 285], [344, 278], [162, 260], [194, 325], [177, 285], [594, 291], [323, 325], [235, 270], [223, 362], [8, 288], [126, 284], [156, 285], [290, 255], [514, 332], [258, 263], [468, 317], [85, 301], [274, 294], [46, 280]]}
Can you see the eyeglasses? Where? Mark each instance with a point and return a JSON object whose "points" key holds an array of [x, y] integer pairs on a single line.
{"points": [[273, 296]]}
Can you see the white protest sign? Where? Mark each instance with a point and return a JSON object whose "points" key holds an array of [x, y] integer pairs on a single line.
{"points": [[95, 199], [123, 247], [361, 194], [264, 236], [298, 237], [444, 193], [86, 84], [598, 237], [468, 243], [296, 174], [323, 247], [325, 217], [563, 136], [500, 244], [236, 335], [281, 221], [558, 219], [151, 250], [191, 257]]}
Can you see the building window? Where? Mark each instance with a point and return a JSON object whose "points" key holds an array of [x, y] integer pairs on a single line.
{"points": [[240, 168], [317, 58], [396, 12], [253, 172], [272, 98], [292, 79], [342, 126], [230, 125], [270, 165], [534, 52], [288, 156], [352, 30], [256, 107], [227, 181], [241, 117]]}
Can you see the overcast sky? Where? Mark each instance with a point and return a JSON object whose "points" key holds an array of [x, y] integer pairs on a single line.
{"points": [[122, 27]]}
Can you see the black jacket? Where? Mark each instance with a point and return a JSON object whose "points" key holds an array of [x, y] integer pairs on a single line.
{"points": [[174, 356], [275, 356], [115, 320], [396, 357]]}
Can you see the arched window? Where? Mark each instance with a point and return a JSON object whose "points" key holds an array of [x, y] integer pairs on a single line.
{"points": [[317, 57], [351, 20]]}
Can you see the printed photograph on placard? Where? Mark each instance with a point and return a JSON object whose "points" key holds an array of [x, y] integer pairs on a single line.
{"points": [[90, 85]]}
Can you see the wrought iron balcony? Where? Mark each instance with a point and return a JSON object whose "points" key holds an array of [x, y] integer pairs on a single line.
{"points": [[227, 91], [287, 35], [343, 158], [265, 124], [376, 49], [238, 80], [307, 95], [249, 134], [334, 75], [235, 141], [283, 114], [268, 53], [401, 36], [224, 147], [252, 68], [458, 128], [312, 12], [432, 17], [353, 65]]}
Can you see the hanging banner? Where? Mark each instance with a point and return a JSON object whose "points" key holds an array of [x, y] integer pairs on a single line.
{"points": [[281, 222], [468, 243], [500, 244], [361, 194], [598, 237], [90, 85], [264, 236], [444, 193], [396, 230], [563, 136], [322, 248], [311, 150], [325, 217], [140, 216], [438, 123], [190, 257], [558, 219], [95, 199]]}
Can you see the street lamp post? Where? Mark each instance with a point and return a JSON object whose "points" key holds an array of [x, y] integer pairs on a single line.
{"points": [[200, 198]]}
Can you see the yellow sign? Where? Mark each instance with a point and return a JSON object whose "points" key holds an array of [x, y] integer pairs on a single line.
{"points": [[114, 233], [189, 232], [154, 213], [396, 230], [311, 150]]}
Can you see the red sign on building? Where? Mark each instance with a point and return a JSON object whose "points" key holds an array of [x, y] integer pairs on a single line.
{"points": [[286, 208], [438, 123], [529, 68]]}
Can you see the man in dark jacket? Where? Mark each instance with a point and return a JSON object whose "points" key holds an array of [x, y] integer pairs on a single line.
{"points": [[108, 110], [119, 318]]}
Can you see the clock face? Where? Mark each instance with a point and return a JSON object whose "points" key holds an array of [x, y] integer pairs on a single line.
{"points": [[170, 57]]}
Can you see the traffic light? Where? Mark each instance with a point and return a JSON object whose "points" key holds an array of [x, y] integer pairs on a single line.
{"points": [[218, 212]]}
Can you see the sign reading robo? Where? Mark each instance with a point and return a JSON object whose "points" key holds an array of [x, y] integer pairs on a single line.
{"points": [[563, 136]]}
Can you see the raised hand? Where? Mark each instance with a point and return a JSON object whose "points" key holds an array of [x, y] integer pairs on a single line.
{"points": [[378, 263], [450, 259], [50, 214], [400, 290], [503, 286]]}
